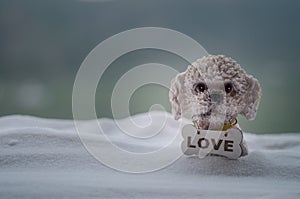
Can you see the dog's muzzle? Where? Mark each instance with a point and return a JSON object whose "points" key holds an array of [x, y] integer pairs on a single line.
{"points": [[216, 97]]}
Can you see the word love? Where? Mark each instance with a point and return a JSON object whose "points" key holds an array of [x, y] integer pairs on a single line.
{"points": [[207, 142]]}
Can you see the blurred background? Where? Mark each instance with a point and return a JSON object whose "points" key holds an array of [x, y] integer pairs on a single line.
{"points": [[43, 43]]}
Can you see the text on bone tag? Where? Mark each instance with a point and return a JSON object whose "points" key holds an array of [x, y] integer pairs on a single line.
{"points": [[204, 143]]}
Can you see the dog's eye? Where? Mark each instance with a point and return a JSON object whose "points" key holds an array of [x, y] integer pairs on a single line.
{"points": [[228, 87], [200, 87]]}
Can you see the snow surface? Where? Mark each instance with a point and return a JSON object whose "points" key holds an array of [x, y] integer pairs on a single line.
{"points": [[44, 158]]}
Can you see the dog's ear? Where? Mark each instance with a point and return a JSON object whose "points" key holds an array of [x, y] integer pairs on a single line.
{"points": [[252, 98], [175, 95]]}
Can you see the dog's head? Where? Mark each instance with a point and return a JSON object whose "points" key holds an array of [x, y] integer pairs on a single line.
{"points": [[211, 83]]}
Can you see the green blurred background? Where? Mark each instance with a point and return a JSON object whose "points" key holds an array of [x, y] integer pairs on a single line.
{"points": [[42, 44]]}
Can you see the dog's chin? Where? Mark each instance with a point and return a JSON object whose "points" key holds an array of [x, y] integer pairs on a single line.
{"points": [[211, 114], [203, 115], [206, 114]]}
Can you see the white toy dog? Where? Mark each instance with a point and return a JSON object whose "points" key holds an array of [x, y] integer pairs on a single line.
{"points": [[215, 89]]}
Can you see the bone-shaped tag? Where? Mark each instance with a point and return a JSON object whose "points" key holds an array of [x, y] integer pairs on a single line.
{"points": [[205, 142]]}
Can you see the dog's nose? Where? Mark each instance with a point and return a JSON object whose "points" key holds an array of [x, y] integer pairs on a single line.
{"points": [[216, 97]]}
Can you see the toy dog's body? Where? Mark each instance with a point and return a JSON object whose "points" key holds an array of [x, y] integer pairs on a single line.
{"points": [[215, 89]]}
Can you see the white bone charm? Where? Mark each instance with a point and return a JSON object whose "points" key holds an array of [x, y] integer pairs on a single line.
{"points": [[208, 142]]}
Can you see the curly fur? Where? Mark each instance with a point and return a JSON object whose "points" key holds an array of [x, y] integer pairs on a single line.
{"points": [[214, 70]]}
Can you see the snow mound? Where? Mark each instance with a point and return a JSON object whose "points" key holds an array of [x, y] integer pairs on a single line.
{"points": [[45, 158]]}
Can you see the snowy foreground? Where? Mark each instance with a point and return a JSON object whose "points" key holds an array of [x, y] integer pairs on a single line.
{"points": [[44, 158]]}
